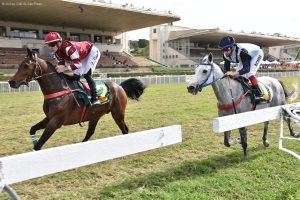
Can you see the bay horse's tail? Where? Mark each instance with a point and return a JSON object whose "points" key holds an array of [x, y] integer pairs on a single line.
{"points": [[133, 88], [290, 95]]}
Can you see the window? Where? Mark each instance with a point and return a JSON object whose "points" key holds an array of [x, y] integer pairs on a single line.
{"points": [[74, 37], [22, 33], [154, 30], [98, 38], [2, 31]]}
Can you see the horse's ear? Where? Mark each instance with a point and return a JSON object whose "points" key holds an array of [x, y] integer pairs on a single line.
{"points": [[29, 53], [210, 57]]}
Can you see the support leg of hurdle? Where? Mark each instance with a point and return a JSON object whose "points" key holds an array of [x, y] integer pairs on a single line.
{"points": [[282, 137]]}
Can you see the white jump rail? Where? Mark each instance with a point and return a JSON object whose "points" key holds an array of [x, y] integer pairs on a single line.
{"points": [[236, 121], [21, 167]]}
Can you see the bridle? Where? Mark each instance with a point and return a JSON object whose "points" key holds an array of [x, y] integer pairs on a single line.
{"points": [[204, 83], [37, 75]]}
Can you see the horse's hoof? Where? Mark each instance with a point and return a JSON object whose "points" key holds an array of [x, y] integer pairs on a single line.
{"points": [[295, 134], [266, 143], [227, 144]]}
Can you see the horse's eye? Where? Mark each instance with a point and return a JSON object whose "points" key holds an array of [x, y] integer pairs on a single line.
{"points": [[204, 71], [25, 66]]}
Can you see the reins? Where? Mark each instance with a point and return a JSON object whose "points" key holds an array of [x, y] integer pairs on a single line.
{"points": [[203, 84], [57, 94], [232, 99]]}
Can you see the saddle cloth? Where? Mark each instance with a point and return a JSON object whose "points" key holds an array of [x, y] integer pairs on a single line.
{"points": [[103, 93]]}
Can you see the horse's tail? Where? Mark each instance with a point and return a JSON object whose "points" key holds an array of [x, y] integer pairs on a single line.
{"points": [[133, 88], [290, 95]]}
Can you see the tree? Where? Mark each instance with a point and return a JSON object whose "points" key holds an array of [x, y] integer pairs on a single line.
{"points": [[134, 45], [143, 43]]}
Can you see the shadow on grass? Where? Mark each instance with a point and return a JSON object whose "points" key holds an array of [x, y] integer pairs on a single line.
{"points": [[185, 171]]}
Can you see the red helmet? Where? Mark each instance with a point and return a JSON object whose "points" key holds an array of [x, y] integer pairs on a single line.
{"points": [[52, 37]]}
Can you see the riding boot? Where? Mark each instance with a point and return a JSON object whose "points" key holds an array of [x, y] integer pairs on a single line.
{"points": [[258, 93], [92, 85]]}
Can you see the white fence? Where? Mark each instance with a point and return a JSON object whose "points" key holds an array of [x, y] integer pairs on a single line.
{"points": [[225, 123], [21, 167], [34, 86], [149, 80]]}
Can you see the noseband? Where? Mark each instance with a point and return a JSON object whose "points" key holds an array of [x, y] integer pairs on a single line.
{"points": [[211, 73]]}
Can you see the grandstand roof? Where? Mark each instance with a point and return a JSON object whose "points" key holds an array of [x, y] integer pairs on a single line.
{"points": [[213, 36], [83, 14]]}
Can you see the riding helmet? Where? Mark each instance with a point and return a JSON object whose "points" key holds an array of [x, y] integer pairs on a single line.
{"points": [[226, 42]]}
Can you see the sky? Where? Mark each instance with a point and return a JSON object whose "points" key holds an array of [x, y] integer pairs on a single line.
{"points": [[265, 16]]}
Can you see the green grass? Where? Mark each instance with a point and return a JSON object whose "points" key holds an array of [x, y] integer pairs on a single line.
{"points": [[200, 167]]}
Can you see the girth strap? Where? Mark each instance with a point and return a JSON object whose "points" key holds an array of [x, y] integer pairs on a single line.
{"points": [[60, 93], [237, 102]]}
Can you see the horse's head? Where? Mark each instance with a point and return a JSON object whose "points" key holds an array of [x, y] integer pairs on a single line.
{"points": [[26, 71], [203, 75]]}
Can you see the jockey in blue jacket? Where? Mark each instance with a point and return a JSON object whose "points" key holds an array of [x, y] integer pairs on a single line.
{"points": [[248, 56]]}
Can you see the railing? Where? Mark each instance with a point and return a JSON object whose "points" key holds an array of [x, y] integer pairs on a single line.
{"points": [[149, 80], [33, 86]]}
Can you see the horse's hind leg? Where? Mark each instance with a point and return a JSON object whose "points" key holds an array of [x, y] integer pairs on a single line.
{"points": [[41, 125], [291, 129], [243, 134], [265, 136], [91, 130], [119, 116]]}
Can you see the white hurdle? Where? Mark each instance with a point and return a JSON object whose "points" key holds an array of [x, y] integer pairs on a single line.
{"points": [[236, 121], [21, 167]]}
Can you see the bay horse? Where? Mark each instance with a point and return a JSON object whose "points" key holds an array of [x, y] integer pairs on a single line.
{"points": [[65, 108], [230, 94]]}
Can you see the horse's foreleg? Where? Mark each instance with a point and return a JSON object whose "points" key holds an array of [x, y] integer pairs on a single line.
{"points": [[227, 138], [265, 136], [51, 127], [41, 125], [293, 133], [90, 131], [243, 134]]}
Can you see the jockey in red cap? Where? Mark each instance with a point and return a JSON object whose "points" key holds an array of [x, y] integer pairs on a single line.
{"points": [[80, 57]]}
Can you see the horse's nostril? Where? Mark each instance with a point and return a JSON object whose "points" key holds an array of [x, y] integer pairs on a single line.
{"points": [[191, 87]]}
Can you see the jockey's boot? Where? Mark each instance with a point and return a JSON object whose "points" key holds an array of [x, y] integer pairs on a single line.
{"points": [[258, 94], [94, 96]]}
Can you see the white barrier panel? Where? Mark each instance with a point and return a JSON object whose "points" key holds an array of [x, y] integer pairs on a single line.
{"points": [[21, 167], [235, 121]]}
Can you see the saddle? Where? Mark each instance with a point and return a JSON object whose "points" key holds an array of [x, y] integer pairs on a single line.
{"points": [[84, 93], [247, 86]]}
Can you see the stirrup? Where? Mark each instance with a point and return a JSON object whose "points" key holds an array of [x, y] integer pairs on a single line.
{"points": [[259, 98], [97, 102]]}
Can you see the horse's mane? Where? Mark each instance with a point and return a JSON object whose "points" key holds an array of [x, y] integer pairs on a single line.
{"points": [[50, 65], [61, 75]]}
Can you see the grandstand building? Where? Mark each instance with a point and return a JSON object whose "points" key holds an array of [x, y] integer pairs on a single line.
{"points": [[177, 46], [25, 23]]}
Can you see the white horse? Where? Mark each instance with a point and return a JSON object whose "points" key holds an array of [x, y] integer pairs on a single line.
{"points": [[232, 98]]}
